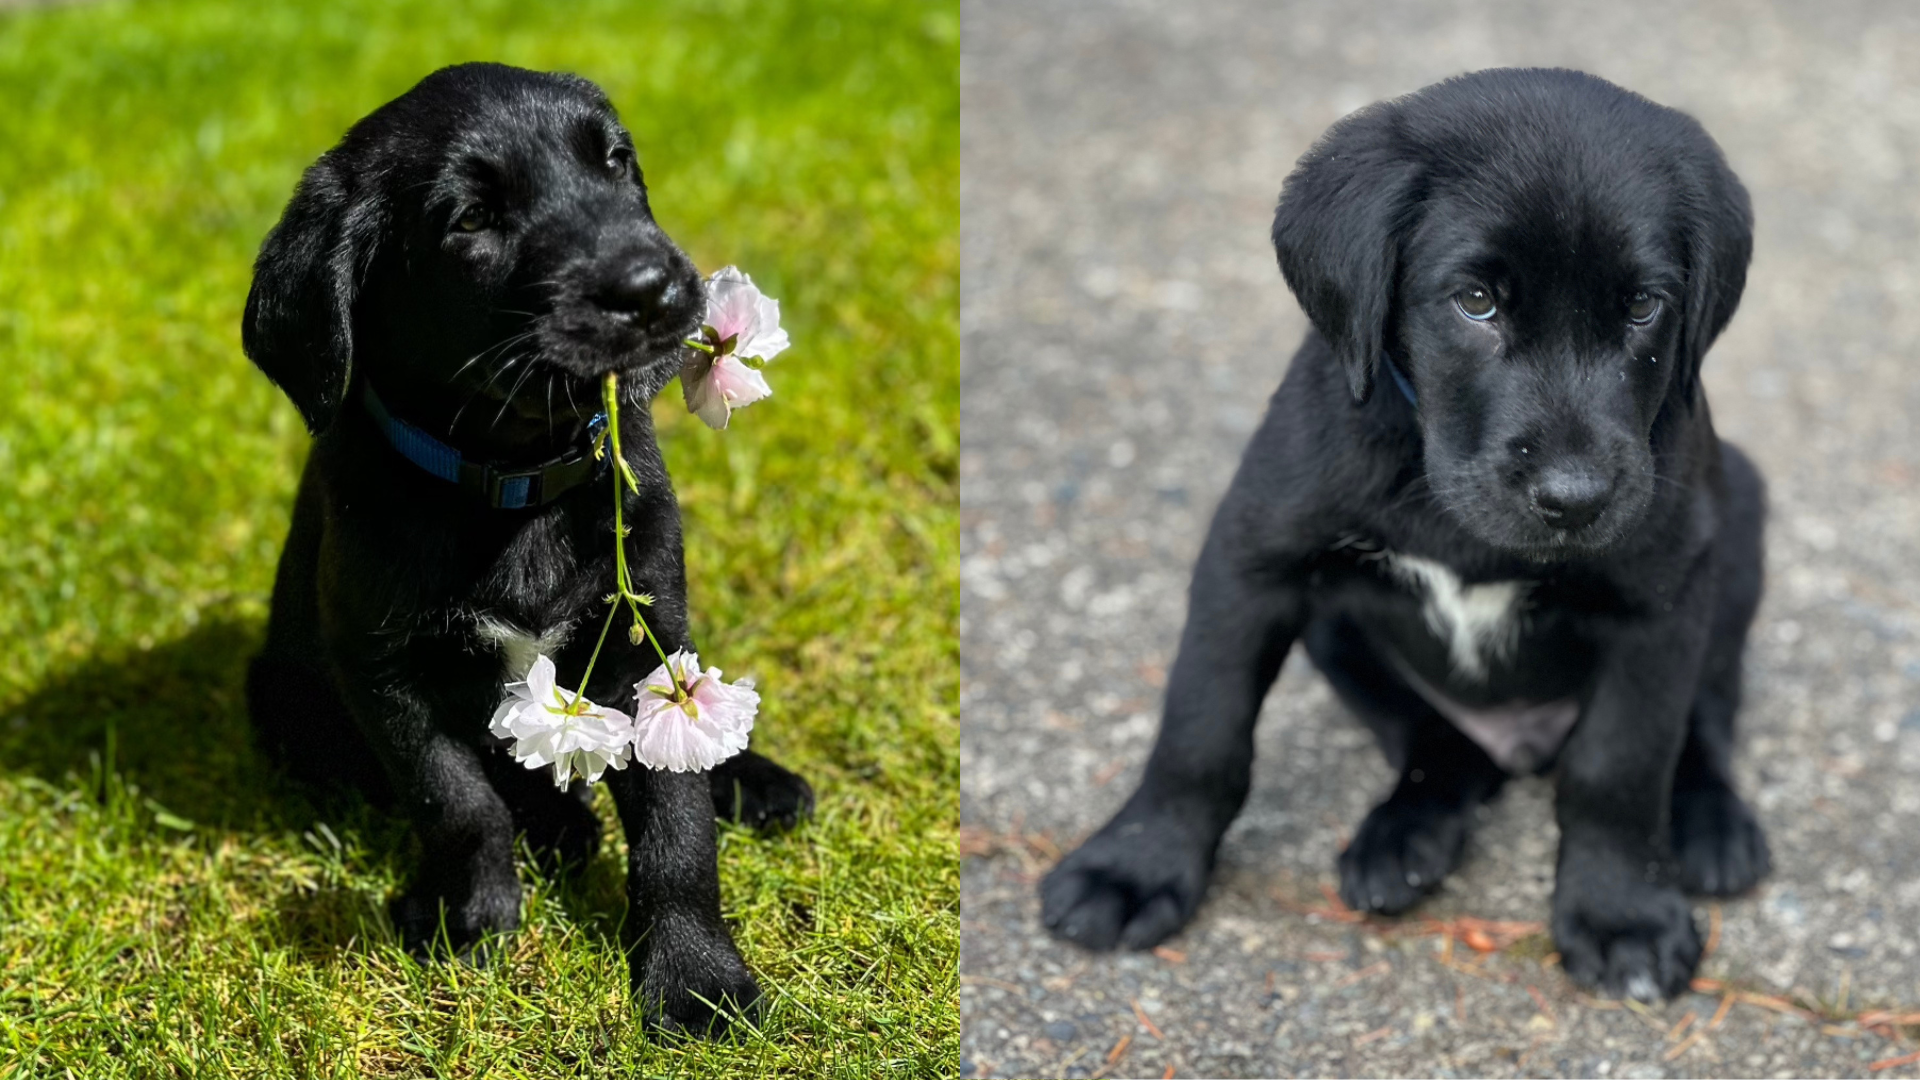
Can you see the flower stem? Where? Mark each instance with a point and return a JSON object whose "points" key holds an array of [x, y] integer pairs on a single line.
{"points": [[579, 703], [623, 583], [624, 580]]}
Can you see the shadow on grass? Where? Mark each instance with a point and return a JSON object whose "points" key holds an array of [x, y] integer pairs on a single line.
{"points": [[171, 719], [172, 722]]}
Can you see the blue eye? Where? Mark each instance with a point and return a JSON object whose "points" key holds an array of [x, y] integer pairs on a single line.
{"points": [[1476, 304]]}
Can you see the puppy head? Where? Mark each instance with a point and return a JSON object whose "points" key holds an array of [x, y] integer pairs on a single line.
{"points": [[1548, 257], [480, 248]]}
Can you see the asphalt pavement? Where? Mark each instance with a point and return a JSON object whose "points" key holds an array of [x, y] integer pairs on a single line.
{"points": [[1123, 324]]}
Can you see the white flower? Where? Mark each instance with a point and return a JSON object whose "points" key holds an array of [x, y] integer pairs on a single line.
{"points": [[539, 717], [696, 734], [741, 324]]}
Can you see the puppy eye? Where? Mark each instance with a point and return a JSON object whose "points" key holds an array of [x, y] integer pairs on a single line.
{"points": [[1476, 304], [474, 219], [1641, 308], [620, 160]]}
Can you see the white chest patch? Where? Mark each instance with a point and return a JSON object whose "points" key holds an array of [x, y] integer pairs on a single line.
{"points": [[1478, 622], [518, 647]]}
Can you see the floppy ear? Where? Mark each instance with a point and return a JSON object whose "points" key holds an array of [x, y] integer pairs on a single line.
{"points": [[1719, 232], [299, 322], [1337, 234]]}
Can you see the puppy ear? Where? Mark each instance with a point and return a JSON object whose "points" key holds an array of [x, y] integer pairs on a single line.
{"points": [[299, 322], [1337, 234], [1719, 232]]}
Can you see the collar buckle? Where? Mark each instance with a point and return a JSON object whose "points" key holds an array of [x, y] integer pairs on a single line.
{"points": [[513, 490]]}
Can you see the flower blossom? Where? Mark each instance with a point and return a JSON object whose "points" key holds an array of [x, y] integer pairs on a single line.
{"points": [[539, 717], [696, 734], [743, 330]]}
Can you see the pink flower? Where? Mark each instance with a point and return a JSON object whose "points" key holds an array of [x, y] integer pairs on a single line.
{"points": [[743, 330], [538, 716], [696, 734], [716, 387]]}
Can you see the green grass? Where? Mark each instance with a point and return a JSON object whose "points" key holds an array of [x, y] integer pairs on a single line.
{"points": [[169, 908]]}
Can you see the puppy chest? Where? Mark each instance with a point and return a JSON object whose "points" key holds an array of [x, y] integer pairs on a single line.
{"points": [[1479, 624], [1481, 627], [517, 646]]}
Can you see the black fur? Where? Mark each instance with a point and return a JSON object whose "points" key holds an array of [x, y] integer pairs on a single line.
{"points": [[493, 339], [1559, 444]]}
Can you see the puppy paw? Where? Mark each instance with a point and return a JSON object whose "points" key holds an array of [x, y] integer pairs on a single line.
{"points": [[1402, 852], [430, 925], [755, 792], [1134, 883], [1721, 848], [693, 982], [1623, 936]]}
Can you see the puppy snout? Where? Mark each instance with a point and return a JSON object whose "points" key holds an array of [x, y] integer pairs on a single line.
{"points": [[1570, 497], [641, 292]]}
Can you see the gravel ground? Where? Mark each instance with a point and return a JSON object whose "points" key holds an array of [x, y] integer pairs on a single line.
{"points": [[1123, 324]]}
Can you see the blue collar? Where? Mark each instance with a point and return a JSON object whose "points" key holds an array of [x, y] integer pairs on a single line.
{"points": [[504, 489], [1399, 378]]}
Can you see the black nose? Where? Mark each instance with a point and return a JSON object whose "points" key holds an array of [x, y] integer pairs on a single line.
{"points": [[1570, 498], [642, 292]]}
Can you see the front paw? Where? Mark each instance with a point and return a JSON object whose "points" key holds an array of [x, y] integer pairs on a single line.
{"points": [[1134, 883], [1402, 852], [760, 794], [1721, 849], [1620, 933], [691, 981]]}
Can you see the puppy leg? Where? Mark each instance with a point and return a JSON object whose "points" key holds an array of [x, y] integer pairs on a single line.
{"points": [[1413, 840], [1721, 847], [1619, 918], [684, 968], [1140, 877], [753, 791], [466, 870]]}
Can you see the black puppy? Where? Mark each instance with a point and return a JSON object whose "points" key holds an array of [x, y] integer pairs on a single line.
{"points": [[441, 300], [1527, 547]]}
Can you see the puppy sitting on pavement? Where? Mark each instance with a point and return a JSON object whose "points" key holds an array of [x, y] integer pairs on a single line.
{"points": [[1489, 500]]}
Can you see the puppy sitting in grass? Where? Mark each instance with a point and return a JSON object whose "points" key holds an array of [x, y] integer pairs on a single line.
{"points": [[1489, 500], [442, 300]]}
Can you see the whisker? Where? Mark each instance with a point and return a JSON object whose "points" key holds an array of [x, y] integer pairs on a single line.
{"points": [[483, 387], [1670, 480], [496, 346], [524, 376]]}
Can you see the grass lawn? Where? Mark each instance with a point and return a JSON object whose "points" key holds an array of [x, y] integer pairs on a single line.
{"points": [[168, 908]]}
